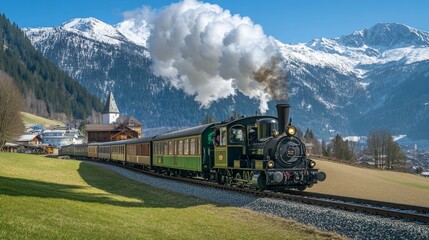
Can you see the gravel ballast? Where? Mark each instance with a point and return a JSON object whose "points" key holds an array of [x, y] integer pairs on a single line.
{"points": [[349, 224]]}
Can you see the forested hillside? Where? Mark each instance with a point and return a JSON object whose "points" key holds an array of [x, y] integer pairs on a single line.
{"points": [[48, 91]]}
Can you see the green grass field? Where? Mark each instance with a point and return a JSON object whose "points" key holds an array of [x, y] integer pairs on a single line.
{"points": [[46, 198], [31, 119]]}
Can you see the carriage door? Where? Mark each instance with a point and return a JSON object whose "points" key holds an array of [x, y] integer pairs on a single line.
{"points": [[221, 153], [236, 146]]}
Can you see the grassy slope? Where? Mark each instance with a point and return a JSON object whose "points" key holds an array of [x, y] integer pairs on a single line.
{"points": [[372, 184], [43, 198], [31, 119]]}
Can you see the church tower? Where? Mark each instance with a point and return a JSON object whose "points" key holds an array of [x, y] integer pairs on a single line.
{"points": [[110, 111]]}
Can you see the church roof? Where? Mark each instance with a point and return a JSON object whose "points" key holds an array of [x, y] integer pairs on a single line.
{"points": [[110, 106]]}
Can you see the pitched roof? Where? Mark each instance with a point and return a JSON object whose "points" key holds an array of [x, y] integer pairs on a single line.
{"points": [[100, 127], [184, 132], [110, 106], [106, 128], [128, 120], [27, 138]]}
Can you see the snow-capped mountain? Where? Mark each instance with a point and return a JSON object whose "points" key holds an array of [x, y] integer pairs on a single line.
{"points": [[350, 84], [359, 79]]}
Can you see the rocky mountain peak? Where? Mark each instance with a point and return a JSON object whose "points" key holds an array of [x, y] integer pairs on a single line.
{"points": [[94, 29], [386, 36]]}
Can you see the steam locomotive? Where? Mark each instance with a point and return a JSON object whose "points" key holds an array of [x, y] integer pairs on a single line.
{"points": [[260, 152]]}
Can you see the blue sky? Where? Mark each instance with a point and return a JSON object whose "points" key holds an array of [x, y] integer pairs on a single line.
{"points": [[288, 21]]}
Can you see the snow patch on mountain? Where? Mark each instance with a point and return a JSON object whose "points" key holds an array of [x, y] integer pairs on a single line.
{"points": [[39, 34], [95, 29], [135, 31]]}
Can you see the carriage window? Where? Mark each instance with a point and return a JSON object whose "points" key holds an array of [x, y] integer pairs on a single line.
{"points": [[192, 146], [170, 147], [186, 147], [237, 134], [165, 148], [180, 148], [145, 150], [222, 136]]}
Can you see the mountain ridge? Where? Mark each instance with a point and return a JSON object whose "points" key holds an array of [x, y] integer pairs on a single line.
{"points": [[332, 82]]}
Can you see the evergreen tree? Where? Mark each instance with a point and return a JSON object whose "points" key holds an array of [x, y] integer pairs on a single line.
{"points": [[325, 150], [209, 119], [340, 149], [39, 80]]}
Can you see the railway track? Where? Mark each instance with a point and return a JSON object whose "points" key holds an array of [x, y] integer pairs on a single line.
{"points": [[386, 209]]}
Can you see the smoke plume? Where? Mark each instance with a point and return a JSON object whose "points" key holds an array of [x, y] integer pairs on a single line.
{"points": [[204, 50]]}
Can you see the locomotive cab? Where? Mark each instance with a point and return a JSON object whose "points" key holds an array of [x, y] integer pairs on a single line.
{"points": [[267, 127]]}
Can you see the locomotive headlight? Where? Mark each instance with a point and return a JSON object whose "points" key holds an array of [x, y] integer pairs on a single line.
{"points": [[312, 164], [291, 130], [271, 164]]}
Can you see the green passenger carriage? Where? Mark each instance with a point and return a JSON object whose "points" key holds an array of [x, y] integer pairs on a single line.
{"points": [[186, 152]]}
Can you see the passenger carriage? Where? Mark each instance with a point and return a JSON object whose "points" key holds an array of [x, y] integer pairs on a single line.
{"points": [[139, 152], [186, 152]]}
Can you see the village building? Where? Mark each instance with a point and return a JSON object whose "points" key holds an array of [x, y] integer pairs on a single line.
{"points": [[109, 132], [10, 147], [132, 123], [110, 110], [30, 143], [61, 136], [29, 139], [115, 127]]}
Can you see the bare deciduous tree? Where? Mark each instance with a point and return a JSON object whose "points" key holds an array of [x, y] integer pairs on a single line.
{"points": [[11, 103], [386, 153]]}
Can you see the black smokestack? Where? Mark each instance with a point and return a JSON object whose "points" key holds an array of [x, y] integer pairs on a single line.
{"points": [[283, 116]]}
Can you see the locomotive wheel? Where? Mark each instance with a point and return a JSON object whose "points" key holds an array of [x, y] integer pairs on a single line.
{"points": [[228, 178], [301, 188], [219, 178]]}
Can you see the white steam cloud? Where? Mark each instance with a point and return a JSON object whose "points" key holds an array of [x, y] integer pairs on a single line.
{"points": [[204, 50]]}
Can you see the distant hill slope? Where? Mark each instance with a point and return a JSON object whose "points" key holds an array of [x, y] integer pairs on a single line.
{"points": [[49, 91], [388, 186], [31, 119]]}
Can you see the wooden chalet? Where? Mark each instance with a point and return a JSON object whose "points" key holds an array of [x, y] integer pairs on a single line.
{"points": [[29, 139], [109, 132], [132, 123]]}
